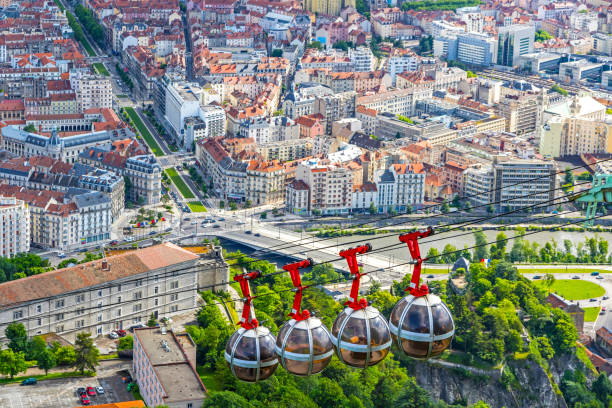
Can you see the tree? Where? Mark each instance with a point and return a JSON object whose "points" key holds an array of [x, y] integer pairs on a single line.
{"points": [[127, 183], [341, 45], [86, 353], [315, 44], [12, 362], [276, 53], [468, 207], [152, 321], [372, 210], [569, 177], [36, 346], [64, 355], [18, 337], [233, 206], [481, 251], [226, 399], [549, 280], [248, 204], [445, 208], [490, 209], [126, 343], [46, 360], [558, 89], [541, 36], [30, 128], [425, 44]]}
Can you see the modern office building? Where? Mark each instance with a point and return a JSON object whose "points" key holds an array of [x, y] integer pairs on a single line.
{"points": [[164, 368], [469, 48], [513, 42]]}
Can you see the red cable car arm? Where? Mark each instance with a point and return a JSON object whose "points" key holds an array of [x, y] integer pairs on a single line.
{"points": [[411, 239], [351, 258], [294, 271], [247, 321]]}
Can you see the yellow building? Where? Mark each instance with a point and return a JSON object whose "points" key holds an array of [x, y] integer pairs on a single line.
{"points": [[576, 127], [332, 7]]}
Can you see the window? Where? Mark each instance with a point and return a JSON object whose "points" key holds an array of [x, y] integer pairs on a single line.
{"points": [[59, 303], [119, 288], [99, 305], [174, 285], [156, 290], [39, 322], [138, 295], [156, 278], [138, 282], [173, 297], [59, 328], [137, 307], [99, 317], [118, 299], [156, 302], [99, 293], [118, 312], [80, 298], [173, 308], [80, 323], [99, 330], [59, 316], [80, 311], [17, 315], [38, 308], [190, 405]]}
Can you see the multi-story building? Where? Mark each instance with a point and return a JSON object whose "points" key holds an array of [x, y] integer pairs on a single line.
{"points": [[297, 198], [331, 7], [576, 127], [522, 112], [513, 42], [330, 187], [398, 63], [301, 102], [503, 182], [336, 106], [400, 187], [363, 59], [469, 48], [213, 118], [397, 102], [15, 225], [576, 71], [109, 294], [286, 150], [94, 92], [164, 368], [265, 182], [274, 129], [227, 175]]}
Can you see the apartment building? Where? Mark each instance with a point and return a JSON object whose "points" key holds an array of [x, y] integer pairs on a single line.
{"points": [[399, 63], [286, 150], [228, 176], [297, 198], [15, 226], [397, 102], [164, 368], [363, 59], [273, 129], [334, 107], [330, 186], [301, 102], [401, 187], [114, 293], [575, 127], [94, 92], [265, 182], [521, 112]]}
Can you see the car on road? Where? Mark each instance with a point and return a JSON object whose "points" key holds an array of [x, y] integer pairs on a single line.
{"points": [[113, 335], [247, 232], [257, 234], [91, 391], [221, 219], [537, 277], [129, 239], [594, 273], [429, 276], [85, 399], [29, 381], [187, 219], [121, 333], [113, 242], [216, 226], [81, 391], [575, 277], [152, 233], [599, 277], [61, 255], [194, 222], [605, 298], [136, 326], [168, 229], [100, 390], [592, 300]]}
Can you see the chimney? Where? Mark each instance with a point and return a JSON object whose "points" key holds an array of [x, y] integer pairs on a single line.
{"points": [[105, 265]]}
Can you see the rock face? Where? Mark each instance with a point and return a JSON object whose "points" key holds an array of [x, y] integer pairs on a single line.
{"points": [[456, 383]]}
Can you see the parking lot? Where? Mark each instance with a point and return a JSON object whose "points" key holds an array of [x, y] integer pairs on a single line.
{"points": [[61, 393]]}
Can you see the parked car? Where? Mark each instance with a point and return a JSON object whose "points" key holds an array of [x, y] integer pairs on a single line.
{"points": [[575, 277], [216, 226], [129, 239], [85, 399], [136, 326], [186, 219], [61, 255], [168, 229], [537, 277], [430, 276], [605, 298], [113, 335], [599, 277], [81, 391], [100, 390], [247, 232], [29, 381], [152, 233], [592, 300], [91, 391], [221, 219], [121, 332], [113, 242], [257, 234], [594, 273]]}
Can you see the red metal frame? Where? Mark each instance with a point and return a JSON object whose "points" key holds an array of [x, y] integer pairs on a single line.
{"points": [[294, 271], [351, 258], [248, 320], [411, 239]]}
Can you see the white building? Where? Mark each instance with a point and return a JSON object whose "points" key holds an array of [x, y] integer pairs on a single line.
{"points": [[94, 92], [363, 59], [513, 42], [364, 196], [182, 101], [400, 187], [214, 118], [15, 225], [402, 63], [330, 186]]}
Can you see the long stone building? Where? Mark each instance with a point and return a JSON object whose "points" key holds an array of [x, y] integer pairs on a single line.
{"points": [[114, 293]]}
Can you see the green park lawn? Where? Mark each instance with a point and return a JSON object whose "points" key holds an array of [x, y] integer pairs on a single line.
{"points": [[544, 270], [101, 69], [142, 129], [590, 313], [573, 289], [196, 206], [180, 184]]}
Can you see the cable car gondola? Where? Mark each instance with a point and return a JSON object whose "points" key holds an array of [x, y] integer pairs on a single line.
{"points": [[303, 344], [250, 350], [360, 333]]}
